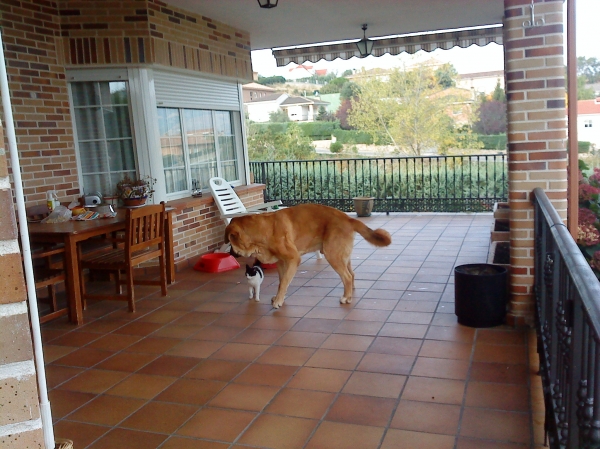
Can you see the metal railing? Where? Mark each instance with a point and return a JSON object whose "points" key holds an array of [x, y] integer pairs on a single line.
{"points": [[398, 184], [568, 330]]}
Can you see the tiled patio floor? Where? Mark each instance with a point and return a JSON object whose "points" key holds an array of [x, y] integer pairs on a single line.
{"points": [[206, 368]]}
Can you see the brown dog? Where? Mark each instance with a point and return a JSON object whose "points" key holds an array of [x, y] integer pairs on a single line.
{"points": [[285, 235]]}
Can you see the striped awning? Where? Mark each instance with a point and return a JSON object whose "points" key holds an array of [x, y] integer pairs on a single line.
{"points": [[411, 43]]}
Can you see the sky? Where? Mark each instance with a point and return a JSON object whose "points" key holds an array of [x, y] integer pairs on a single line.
{"points": [[465, 60]]}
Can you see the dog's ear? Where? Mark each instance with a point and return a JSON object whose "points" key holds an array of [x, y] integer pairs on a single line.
{"points": [[232, 237]]}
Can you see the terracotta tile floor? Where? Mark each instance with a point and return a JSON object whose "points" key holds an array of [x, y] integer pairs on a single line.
{"points": [[206, 368]]}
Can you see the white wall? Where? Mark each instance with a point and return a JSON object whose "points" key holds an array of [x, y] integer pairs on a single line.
{"points": [[589, 134]]}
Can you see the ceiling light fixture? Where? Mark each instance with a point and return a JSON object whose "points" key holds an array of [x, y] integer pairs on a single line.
{"points": [[267, 4], [365, 46]]}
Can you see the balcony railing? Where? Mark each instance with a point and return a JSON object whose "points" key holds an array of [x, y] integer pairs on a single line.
{"points": [[398, 184], [568, 329]]}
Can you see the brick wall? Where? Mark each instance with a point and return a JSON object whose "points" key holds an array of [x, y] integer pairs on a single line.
{"points": [[42, 37], [535, 89], [142, 32], [35, 66], [20, 424]]}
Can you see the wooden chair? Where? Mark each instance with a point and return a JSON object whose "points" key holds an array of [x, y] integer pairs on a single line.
{"points": [[47, 263], [144, 240], [47, 276]]}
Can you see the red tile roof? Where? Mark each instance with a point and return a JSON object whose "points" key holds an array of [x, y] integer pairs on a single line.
{"points": [[588, 106]]}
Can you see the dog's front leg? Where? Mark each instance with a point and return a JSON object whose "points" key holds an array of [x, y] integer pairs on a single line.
{"points": [[287, 270]]}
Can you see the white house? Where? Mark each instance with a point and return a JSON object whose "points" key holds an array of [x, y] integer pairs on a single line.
{"points": [[588, 121], [481, 82], [259, 110], [298, 109], [302, 109]]}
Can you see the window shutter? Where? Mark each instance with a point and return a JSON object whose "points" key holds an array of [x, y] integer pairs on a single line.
{"points": [[183, 91]]}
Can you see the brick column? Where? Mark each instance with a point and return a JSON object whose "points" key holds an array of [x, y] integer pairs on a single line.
{"points": [[20, 423], [535, 90]]}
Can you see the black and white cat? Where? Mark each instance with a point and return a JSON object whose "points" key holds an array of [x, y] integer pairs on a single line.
{"points": [[255, 277]]}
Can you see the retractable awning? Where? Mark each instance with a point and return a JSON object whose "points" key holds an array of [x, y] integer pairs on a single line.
{"points": [[411, 43]]}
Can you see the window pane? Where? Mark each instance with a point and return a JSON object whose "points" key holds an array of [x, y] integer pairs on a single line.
{"points": [[97, 183], [89, 123], [201, 145], [202, 173], [104, 137], [120, 155], [93, 157], [85, 94], [116, 121], [206, 133], [171, 147]]}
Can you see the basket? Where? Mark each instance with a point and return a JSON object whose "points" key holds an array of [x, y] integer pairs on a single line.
{"points": [[62, 443]]}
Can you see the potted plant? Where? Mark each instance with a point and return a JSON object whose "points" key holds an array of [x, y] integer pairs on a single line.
{"points": [[135, 192]]}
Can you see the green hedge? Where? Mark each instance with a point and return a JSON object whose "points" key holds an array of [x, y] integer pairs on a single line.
{"points": [[314, 130], [493, 141], [352, 137]]}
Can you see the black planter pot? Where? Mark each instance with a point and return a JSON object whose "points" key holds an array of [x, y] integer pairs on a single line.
{"points": [[480, 294]]}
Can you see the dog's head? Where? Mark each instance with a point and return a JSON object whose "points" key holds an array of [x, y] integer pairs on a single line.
{"points": [[241, 242]]}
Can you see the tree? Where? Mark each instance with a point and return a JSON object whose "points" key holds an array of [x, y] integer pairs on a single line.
{"points": [[334, 86], [589, 68], [268, 80], [583, 92], [409, 109], [271, 146], [492, 118], [498, 94], [324, 116], [446, 75], [342, 114], [349, 90]]}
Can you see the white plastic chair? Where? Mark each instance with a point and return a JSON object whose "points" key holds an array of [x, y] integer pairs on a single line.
{"points": [[230, 205]]}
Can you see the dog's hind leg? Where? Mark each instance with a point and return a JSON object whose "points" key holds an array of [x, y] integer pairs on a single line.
{"points": [[343, 268]]}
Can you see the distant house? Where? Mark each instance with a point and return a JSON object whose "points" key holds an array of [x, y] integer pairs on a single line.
{"points": [[481, 82], [588, 121], [302, 109], [260, 109], [298, 109], [254, 91]]}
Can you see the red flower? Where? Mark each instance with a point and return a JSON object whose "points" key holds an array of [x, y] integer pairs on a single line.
{"points": [[588, 192], [586, 216]]}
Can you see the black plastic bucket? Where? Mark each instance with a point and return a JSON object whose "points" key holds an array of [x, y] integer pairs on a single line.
{"points": [[480, 294]]}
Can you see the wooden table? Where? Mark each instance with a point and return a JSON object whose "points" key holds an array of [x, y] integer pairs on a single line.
{"points": [[71, 232]]}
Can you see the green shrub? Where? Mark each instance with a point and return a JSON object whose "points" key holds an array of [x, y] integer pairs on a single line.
{"points": [[584, 147], [336, 147], [493, 141], [352, 137], [319, 130]]}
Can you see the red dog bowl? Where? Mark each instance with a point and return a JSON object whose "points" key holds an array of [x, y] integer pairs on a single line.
{"points": [[268, 266], [216, 263]]}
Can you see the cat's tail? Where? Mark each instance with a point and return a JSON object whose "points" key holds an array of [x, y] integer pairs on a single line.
{"points": [[377, 237]]}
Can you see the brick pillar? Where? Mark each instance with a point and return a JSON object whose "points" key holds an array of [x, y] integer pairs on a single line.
{"points": [[535, 89], [20, 423]]}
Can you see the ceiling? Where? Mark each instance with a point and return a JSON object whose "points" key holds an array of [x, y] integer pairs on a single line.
{"points": [[298, 22]]}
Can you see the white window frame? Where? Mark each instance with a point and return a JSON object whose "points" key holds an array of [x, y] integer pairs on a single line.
{"points": [[98, 75], [144, 121]]}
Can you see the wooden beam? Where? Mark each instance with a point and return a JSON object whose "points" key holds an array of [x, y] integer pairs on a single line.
{"points": [[573, 150]]}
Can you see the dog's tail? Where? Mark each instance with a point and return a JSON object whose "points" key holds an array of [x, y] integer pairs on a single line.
{"points": [[377, 237]]}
